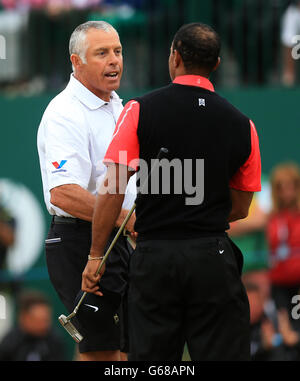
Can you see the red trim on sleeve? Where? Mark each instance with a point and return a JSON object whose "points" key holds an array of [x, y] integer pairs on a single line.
{"points": [[124, 148], [248, 176]]}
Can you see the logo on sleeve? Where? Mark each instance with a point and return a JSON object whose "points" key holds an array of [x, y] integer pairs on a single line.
{"points": [[59, 166]]}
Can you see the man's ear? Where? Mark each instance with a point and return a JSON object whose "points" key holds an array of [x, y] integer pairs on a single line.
{"points": [[177, 59], [217, 64], [76, 61]]}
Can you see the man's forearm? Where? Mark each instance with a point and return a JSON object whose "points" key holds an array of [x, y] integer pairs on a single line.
{"points": [[108, 207], [235, 216], [240, 204], [81, 204], [256, 221], [130, 224], [107, 211], [74, 200]]}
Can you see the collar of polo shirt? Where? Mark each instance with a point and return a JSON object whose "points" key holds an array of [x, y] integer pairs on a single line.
{"points": [[194, 80], [86, 97]]}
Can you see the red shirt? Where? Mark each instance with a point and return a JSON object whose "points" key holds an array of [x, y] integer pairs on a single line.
{"points": [[283, 234]]}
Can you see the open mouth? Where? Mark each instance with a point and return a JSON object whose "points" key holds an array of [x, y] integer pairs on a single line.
{"points": [[113, 74]]}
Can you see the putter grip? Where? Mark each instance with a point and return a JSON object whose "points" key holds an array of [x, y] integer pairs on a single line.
{"points": [[163, 151]]}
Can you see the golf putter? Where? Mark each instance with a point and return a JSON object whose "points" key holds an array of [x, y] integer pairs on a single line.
{"points": [[64, 320]]}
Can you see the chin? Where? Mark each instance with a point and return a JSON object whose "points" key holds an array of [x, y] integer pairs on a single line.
{"points": [[114, 87]]}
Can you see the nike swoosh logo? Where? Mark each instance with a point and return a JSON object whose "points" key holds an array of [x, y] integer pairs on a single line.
{"points": [[221, 251], [95, 308]]}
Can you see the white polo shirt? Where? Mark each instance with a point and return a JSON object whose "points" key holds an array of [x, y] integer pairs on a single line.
{"points": [[73, 136]]}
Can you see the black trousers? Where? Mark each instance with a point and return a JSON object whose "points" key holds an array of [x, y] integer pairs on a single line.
{"points": [[188, 291], [66, 255]]}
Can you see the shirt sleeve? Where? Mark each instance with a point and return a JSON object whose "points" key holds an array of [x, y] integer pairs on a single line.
{"points": [[248, 176], [124, 148], [130, 194], [66, 152]]}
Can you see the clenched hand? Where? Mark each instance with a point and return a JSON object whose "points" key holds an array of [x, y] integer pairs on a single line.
{"points": [[90, 281]]}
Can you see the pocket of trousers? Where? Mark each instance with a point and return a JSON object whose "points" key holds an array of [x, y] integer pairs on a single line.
{"points": [[55, 262], [52, 240], [238, 256], [134, 258]]}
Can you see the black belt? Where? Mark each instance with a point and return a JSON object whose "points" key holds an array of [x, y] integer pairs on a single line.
{"points": [[69, 220]]}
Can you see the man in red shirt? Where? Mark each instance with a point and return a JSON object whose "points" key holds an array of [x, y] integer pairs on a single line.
{"points": [[185, 284]]}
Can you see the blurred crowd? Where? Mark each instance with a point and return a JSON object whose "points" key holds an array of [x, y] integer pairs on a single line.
{"points": [[50, 5], [260, 39], [37, 33], [273, 282], [33, 337]]}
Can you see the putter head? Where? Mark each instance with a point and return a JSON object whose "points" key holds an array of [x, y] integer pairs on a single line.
{"points": [[70, 328]]}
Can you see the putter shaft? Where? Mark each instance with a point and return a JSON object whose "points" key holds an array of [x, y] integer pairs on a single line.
{"points": [[65, 320]]}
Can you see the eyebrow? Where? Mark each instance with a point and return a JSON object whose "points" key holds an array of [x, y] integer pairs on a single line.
{"points": [[107, 48]]}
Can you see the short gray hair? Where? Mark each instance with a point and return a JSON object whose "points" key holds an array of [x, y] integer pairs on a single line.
{"points": [[77, 44]]}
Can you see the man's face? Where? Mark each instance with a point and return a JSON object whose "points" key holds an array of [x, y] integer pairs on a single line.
{"points": [[103, 69], [37, 321], [287, 190]]}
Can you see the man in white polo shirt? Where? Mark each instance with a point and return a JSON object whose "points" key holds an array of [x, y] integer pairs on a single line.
{"points": [[73, 136]]}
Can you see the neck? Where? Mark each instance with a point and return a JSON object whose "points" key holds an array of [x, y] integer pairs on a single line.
{"points": [[182, 71], [200, 73], [105, 96]]}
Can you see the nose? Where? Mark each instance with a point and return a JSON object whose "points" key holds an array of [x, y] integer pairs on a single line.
{"points": [[113, 59]]}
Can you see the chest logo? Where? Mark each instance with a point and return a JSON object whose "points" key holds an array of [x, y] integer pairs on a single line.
{"points": [[60, 165], [201, 102]]}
